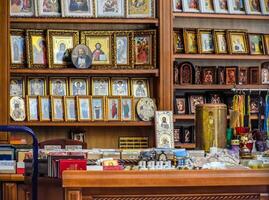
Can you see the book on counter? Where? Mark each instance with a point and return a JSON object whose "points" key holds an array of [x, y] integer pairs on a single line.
{"points": [[71, 164]]}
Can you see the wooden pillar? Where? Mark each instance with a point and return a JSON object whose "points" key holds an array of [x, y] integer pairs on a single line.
{"points": [[166, 69], [9, 191]]}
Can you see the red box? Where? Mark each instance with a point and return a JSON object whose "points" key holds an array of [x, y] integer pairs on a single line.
{"points": [[69, 164]]}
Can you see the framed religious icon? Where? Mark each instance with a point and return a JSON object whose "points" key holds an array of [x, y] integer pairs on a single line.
{"points": [[177, 135], [231, 74], [190, 5], [60, 44], [19, 8], [237, 42], [265, 7], [243, 76], [113, 110], [140, 87], [266, 42], [146, 108], [127, 109], [17, 109], [98, 108], [32, 108], [140, 9], [178, 41], [17, 48], [58, 86], [186, 73], [144, 45], [37, 86], [48, 8], [123, 49], [36, 49], [120, 87], [100, 86], [101, 45], [253, 7], [206, 6], [70, 107], [44, 108], [176, 72], [254, 105], [57, 108], [195, 100], [187, 136], [254, 75], [177, 5], [208, 75], [190, 41], [236, 6], [17, 87], [164, 128], [220, 41], [256, 44], [214, 98], [180, 107], [74, 8], [81, 57], [265, 73], [221, 79], [198, 75], [108, 8], [221, 6], [205, 41], [84, 108], [78, 86]]}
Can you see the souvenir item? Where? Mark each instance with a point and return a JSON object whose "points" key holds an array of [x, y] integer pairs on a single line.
{"points": [[243, 76], [206, 6], [236, 6], [265, 73], [221, 6], [17, 48], [180, 106], [237, 42], [58, 86], [84, 108], [254, 105], [186, 73], [78, 86], [190, 41], [164, 129], [78, 136], [256, 44], [127, 108], [22, 8], [220, 42], [208, 75], [100, 86], [32, 108], [120, 87], [214, 98], [177, 134], [190, 5], [140, 87], [198, 75], [71, 8], [145, 109], [264, 7], [70, 108], [108, 8], [266, 43], [177, 5], [253, 7], [187, 136], [205, 41], [44, 108], [37, 86], [113, 108], [81, 57], [221, 75], [16, 87], [48, 8], [254, 75], [36, 49], [97, 108], [17, 109], [231, 74], [60, 42], [178, 41], [123, 49], [195, 100], [57, 108], [176, 73], [140, 9]]}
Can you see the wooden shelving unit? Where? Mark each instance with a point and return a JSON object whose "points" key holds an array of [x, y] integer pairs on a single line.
{"points": [[192, 117], [186, 145], [220, 57], [219, 87]]}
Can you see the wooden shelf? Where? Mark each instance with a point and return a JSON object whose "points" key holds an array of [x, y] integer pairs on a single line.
{"points": [[85, 20], [186, 146], [219, 87], [83, 124], [11, 177], [220, 57], [154, 72], [192, 117], [220, 16]]}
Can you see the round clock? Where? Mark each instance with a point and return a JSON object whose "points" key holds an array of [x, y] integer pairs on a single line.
{"points": [[146, 108]]}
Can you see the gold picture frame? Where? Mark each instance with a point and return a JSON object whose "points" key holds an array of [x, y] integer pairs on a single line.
{"points": [[220, 41], [99, 90], [266, 43], [65, 41], [205, 41], [146, 10], [237, 42], [256, 47], [56, 90], [83, 113], [17, 48], [98, 108], [113, 108], [32, 108], [141, 59], [17, 87], [70, 108], [144, 90], [122, 88], [127, 109], [36, 89], [36, 49], [57, 109], [190, 47], [44, 108], [101, 44], [123, 51], [78, 86]]}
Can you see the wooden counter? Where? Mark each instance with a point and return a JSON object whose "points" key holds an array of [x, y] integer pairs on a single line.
{"points": [[166, 185]]}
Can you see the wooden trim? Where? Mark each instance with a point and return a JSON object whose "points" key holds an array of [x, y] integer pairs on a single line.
{"points": [[121, 179], [11, 177], [192, 117], [218, 87], [220, 57], [10, 191]]}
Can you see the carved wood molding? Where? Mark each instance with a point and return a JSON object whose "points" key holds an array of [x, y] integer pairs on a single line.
{"points": [[9, 191], [73, 195]]}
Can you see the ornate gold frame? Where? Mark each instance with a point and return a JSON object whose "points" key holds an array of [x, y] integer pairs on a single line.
{"points": [[23, 84], [66, 108], [18, 32], [28, 84], [92, 85], [28, 108], [119, 78], [186, 42], [132, 86], [71, 88], [263, 46], [216, 44], [89, 98], [52, 109], [199, 41], [132, 108], [50, 85], [107, 108], [40, 107], [103, 108], [229, 40]]}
